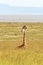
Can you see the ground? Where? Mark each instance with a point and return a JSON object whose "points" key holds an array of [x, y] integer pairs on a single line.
{"points": [[11, 37]]}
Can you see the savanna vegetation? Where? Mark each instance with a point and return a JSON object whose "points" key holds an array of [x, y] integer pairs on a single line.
{"points": [[11, 37]]}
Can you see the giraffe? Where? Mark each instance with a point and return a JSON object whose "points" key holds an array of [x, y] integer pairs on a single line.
{"points": [[24, 37]]}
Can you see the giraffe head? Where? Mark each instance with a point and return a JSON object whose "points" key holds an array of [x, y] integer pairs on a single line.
{"points": [[24, 28]]}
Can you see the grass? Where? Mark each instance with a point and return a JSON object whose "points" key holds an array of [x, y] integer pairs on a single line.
{"points": [[11, 37]]}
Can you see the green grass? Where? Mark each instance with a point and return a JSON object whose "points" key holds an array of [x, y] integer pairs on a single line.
{"points": [[11, 38]]}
